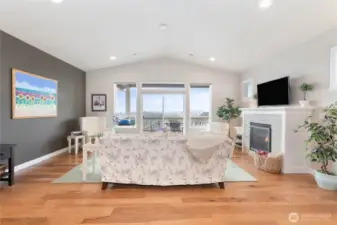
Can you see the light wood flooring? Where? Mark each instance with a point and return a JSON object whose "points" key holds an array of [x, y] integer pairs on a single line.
{"points": [[34, 200]]}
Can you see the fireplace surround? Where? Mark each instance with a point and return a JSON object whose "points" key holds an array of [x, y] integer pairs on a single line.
{"points": [[283, 140]]}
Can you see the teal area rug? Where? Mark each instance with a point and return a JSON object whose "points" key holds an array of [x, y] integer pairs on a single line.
{"points": [[233, 174]]}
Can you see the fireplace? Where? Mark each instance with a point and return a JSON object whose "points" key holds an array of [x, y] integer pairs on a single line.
{"points": [[260, 137]]}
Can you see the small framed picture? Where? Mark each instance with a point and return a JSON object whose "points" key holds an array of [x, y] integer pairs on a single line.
{"points": [[98, 102]]}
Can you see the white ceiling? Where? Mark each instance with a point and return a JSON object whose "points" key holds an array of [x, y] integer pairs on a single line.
{"points": [[85, 33]]}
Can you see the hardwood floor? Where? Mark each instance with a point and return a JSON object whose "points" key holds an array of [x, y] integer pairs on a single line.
{"points": [[34, 200]]}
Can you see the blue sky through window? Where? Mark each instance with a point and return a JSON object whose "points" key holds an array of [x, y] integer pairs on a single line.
{"points": [[120, 100]]}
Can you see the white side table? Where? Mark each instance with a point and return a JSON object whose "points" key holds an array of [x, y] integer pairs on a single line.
{"points": [[76, 138], [93, 148]]}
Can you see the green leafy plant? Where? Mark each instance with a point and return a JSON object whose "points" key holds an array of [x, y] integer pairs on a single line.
{"points": [[228, 111], [322, 142], [305, 88]]}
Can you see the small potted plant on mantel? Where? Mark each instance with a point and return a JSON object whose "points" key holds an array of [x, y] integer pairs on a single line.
{"points": [[322, 146], [228, 112], [305, 88]]}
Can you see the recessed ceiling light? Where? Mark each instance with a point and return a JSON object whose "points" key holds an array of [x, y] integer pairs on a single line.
{"points": [[162, 26], [212, 59], [113, 57], [264, 4], [134, 54], [191, 55], [57, 1]]}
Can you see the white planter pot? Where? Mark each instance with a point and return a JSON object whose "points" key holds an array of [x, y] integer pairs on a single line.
{"points": [[325, 181], [304, 103]]}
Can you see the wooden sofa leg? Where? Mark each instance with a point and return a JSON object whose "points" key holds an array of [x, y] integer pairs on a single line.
{"points": [[222, 185], [104, 185]]}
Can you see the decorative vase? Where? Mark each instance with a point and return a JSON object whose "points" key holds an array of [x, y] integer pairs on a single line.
{"points": [[325, 181], [304, 103]]}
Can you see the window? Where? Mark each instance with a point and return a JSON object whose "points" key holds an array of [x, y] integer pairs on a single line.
{"points": [[200, 105], [158, 106], [248, 90], [163, 107], [333, 68], [125, 105], [163, 111]]}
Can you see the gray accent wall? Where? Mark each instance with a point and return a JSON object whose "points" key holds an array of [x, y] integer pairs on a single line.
{"points": [[39, 136]]}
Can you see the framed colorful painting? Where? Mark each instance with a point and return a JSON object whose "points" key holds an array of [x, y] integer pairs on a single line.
{"points": [[33, 96]]}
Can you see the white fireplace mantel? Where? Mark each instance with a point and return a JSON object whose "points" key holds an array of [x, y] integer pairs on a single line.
{"points": [[283, 121], [280, 109]]}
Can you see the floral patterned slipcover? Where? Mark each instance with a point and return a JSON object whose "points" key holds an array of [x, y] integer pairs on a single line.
{"points": [[159, 160]]}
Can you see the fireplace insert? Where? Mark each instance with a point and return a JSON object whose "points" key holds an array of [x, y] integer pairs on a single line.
{"points": [[260, 137]]}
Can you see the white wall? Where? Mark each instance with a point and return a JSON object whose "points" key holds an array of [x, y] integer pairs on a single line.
{"points": [[306, 62], [224, 84]]}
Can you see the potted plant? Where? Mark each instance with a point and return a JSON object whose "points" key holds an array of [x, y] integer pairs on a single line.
{"points": [[305, 88], [228, 112], [322, 146]]}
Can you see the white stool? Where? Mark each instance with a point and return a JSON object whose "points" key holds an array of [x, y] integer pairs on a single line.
{"points": [[76, 138]]}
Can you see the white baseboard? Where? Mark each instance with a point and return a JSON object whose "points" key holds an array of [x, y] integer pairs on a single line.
{"points": [[40, 159]]}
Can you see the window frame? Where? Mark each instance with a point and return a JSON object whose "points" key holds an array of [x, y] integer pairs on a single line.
{"points": [[191, 85], [249, 95], [138, 128], [333, 68], [115, 89]]}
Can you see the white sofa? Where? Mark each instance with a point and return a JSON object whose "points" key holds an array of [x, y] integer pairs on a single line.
{"points": [[158, 160]]}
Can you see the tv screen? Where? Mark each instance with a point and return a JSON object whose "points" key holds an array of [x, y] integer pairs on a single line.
{"points": [[274, 92]]}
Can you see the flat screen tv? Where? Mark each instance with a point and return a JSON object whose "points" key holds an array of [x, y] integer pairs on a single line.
{"points": [[274, 92]]}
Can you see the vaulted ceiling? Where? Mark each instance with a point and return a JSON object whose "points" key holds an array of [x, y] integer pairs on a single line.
{"points": [[238, 34]]}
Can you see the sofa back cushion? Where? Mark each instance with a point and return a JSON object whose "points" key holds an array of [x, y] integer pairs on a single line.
{"points": [[218, 128]]}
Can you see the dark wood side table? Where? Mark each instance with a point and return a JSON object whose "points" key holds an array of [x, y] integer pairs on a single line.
{"points": [[7, 153]]}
